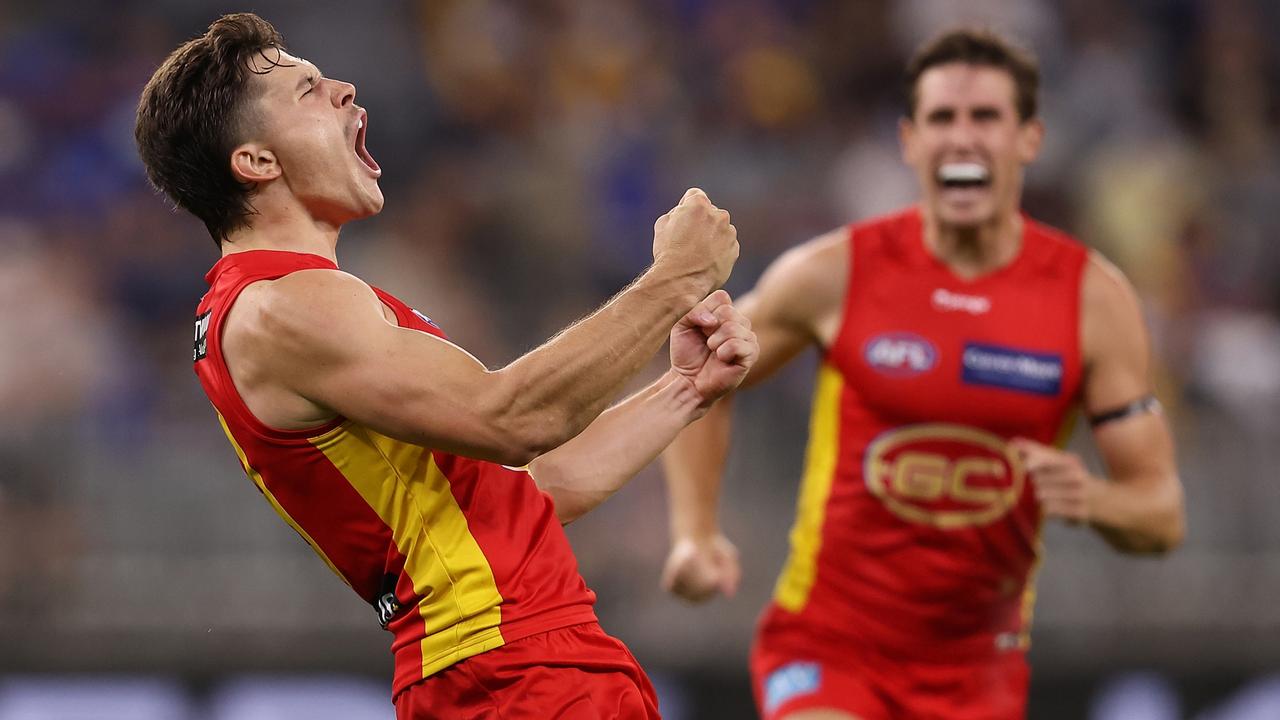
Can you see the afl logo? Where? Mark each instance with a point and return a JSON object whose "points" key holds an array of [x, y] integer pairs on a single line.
{"points": [[947, 476], [900, 353]]}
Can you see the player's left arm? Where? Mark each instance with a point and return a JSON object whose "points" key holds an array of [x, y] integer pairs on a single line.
{"points": [[712, 348], [1138, 507]]}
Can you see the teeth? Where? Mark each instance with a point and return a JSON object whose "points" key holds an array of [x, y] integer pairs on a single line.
{"points": [[360, 124], [963, 172]]}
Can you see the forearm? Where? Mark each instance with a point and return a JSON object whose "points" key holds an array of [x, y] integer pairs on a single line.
{"points": [[586, 470], [558, 389], [694, 463], [1140, 516]]}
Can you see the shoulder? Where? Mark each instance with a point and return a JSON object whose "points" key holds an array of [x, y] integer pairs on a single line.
{"points": [[306, 307], [804, 287], [817, 264], [812, 260], [1111, 312], [1104, 287], [1056, 251]]}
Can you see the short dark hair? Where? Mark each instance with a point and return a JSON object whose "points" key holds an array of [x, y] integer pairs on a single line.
{"points": [[192, 113], [977, 46]]}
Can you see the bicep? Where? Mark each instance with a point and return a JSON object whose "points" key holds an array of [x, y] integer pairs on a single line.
{"points": [[779, 340], [1137, 448], [1118, 372], [399, 382], [1115, 341], [402, 383], [798, 301]]}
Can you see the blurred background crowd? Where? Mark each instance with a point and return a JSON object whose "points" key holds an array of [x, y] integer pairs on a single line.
{"points": [[528, 146]]}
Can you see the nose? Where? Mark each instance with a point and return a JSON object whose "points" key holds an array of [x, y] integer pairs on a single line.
{"points": [[344, 93], [964, 134]]}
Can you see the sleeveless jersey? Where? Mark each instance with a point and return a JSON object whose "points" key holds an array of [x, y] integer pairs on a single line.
{"points": [[917, 531], [457, 556]]}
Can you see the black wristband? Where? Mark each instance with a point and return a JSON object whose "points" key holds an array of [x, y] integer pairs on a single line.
{"points": [[1145, 404]]}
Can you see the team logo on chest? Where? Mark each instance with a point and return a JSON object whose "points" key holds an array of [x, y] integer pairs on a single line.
{"points": [[900, 354], [947, 476]]}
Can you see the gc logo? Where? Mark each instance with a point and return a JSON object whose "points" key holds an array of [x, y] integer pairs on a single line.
{"points": [[948, 476]]}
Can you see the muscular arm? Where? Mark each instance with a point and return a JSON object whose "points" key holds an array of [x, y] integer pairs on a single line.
{"points": [[585, 471], [319, 337], [1140, 508], [712, 348], [797, 303]]}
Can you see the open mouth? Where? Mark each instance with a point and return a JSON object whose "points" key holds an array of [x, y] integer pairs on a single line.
{"points": [[963, 175], [361, 151]]}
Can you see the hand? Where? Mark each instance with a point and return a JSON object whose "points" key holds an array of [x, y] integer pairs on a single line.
{"points": [[1062, 484], [696, 237], [713, 347], [698, 569]]}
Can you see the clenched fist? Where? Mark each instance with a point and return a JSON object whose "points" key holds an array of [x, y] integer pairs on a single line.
{"points": [[1062, 484], [713, 347], [696, 238], [698, 570]]}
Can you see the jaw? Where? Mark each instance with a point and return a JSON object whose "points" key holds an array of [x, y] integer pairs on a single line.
{"points": [[376, 201], [365, 200], [964, 207], [365, 197]]}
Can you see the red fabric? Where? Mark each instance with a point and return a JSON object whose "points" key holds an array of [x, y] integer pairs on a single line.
{"points": [[309, 488], [927, 360], [511, 520], [576, 673], [873, 687]]}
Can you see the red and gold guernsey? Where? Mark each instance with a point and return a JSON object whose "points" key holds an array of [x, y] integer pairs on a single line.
{"points": [[917, 531], [457, 556]]}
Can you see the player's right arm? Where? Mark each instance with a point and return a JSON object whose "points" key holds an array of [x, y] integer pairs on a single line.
{"points": [[798, 302], [316, 343]]}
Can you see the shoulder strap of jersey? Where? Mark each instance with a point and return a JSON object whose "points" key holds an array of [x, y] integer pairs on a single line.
{"points": [[227, 279]]}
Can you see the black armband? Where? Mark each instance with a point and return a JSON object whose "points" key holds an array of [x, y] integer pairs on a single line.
{"points": [[1145, 404]]}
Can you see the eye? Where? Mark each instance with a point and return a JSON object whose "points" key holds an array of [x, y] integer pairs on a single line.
{"points": [[940, 117], [986, 114], [310, 87]]}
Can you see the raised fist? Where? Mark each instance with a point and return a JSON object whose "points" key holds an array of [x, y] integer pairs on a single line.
{"points": [[696, 238]]}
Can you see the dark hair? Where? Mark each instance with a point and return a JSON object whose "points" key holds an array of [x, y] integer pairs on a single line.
{"points": [[974, 46], [193, 113]]}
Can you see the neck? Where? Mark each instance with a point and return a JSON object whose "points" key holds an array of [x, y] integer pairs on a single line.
{"points": [[971, 251], [285, 227]]}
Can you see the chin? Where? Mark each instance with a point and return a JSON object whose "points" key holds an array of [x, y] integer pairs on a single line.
{"points": [[969, 217], [373, 203], [967, 214]]}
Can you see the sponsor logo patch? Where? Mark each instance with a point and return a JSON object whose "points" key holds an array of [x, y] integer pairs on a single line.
{"points": [[202, 336], [943, 475], [1011, 369], [791, 681], [386, 605], [900, 354], [946, 300]]}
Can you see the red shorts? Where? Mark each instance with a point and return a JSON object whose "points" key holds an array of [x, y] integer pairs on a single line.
{"points": [[574, 673], [877, 688]]}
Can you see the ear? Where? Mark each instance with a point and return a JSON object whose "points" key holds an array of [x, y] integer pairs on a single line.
{"points": [[252, 163], [906, 139], [1030, 135]]}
